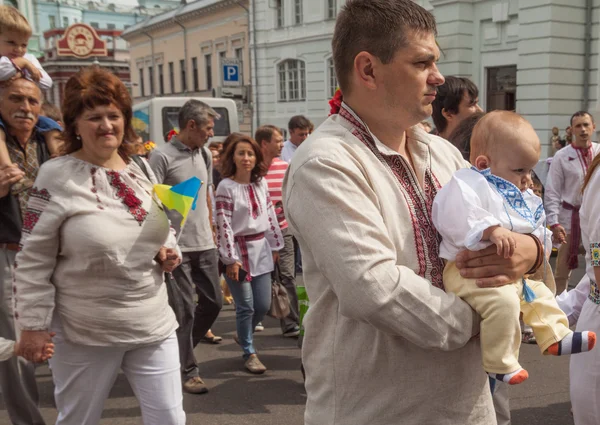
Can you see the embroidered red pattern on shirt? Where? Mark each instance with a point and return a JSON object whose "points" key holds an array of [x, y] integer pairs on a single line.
{"points": [[419, 204], [38, 199], [254, 209], [128, 197]]}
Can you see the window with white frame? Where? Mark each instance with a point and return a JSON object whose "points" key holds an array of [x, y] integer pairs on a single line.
{"points": [[292, 81], [331, 9], [298, 11], [332, 83], [279, 13]]}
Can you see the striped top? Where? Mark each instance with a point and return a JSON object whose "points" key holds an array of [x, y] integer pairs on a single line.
{"points": [[274, 180]]}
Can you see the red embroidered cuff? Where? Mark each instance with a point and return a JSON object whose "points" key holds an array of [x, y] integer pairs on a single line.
{"points": [[554, 226]]}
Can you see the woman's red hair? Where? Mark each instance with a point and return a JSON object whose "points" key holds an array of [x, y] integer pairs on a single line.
{"points": [[89, 88]]}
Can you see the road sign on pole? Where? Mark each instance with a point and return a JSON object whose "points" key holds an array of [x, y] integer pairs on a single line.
{"points": [[231, 73]]}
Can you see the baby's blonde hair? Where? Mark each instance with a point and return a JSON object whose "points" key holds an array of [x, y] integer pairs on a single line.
{"points": [[496, 130], [12, 21]]}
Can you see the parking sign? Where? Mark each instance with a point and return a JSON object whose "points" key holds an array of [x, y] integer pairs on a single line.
{"points": [[231, 75]]}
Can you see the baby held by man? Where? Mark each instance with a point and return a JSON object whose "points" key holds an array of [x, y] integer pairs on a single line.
{"points": [[487, 204]]}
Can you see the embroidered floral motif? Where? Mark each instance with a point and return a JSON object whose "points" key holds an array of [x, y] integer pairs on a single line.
{"points": [[254, 208], [595, 254], [419, 203], [128, 197], [512, 195], [38, 200]]}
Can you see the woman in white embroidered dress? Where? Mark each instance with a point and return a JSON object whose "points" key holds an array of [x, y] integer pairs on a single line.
{"points": [[95, 245], [248, 238], [585, 369]]}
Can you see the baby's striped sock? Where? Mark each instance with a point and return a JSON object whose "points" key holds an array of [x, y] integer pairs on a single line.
{"points": [[512, 378], [575, 342]]}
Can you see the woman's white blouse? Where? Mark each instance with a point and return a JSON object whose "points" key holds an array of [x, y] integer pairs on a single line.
{"points": [[247, 210], [89, 240]]}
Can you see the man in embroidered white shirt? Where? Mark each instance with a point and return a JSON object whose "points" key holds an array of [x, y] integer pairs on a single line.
{"points": [[384, 343], [563, 194]]}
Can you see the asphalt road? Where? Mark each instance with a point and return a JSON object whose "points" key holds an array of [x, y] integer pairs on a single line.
{"points": [[278, 397]]}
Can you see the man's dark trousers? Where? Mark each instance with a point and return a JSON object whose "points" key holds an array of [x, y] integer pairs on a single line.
{"points": [[197, 273]]}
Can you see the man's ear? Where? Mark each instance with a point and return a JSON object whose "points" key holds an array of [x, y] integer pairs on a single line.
{"points": [[365, 65], [448, 115], [482, 162]]}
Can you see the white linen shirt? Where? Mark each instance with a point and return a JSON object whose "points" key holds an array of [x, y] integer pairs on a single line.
{"points": [[7, 348], [469, 204], [236, 216], [8, 70], [564, 182], [382, 345], [88, 258], [590, 224]]}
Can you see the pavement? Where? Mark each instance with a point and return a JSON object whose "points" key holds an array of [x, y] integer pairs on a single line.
{"points": [[278, 396]]}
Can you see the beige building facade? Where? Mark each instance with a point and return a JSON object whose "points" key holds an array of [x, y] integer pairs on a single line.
{"points": [[182, 53]]}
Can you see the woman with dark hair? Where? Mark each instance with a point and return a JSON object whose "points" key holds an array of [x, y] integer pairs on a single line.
{"points": [[585, 371], [461, 136], [248, 238], [96, 244]]}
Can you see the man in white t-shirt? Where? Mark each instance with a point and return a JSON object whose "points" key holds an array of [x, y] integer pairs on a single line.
{"points": [[299, 127]]}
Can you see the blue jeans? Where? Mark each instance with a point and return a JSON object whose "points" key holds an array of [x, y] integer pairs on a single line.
{"points": [[252, 301]]}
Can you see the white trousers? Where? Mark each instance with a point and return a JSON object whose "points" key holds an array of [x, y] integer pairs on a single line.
{"points": [[585, 372], [84, 375]]}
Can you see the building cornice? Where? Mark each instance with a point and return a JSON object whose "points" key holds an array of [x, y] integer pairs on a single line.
{"points": [[180, 15]]}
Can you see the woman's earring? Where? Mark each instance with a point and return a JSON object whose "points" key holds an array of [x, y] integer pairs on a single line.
{"points": [[78, 137]]}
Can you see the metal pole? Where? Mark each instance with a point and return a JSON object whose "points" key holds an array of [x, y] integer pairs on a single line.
{"points": [[250, 74], [185, 53], [152, 87], [587, 57]]}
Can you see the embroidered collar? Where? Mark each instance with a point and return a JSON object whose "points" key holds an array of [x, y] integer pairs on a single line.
{"points": [[411, 134], [588, 147], [512, 195], [418, 201]]}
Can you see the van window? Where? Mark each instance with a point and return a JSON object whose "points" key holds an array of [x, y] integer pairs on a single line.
{"points": [[170, 116], [141, 123]]}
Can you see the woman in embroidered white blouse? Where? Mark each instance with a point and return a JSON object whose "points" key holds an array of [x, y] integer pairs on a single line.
{"points": [[95, 245], [248, 238], [585, 371]]}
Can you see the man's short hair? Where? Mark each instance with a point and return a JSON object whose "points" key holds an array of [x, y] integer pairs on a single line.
{"points": [[195, 110], [449, 96], [299, 121], [379, 27], [12, 21], [51, 111], [265, 133], [581, 114]]}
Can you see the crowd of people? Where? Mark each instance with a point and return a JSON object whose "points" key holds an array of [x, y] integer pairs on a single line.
{"points": [[434, 246]]}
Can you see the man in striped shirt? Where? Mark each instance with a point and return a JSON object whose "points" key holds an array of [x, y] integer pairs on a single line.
{"points": [[270, 140]]}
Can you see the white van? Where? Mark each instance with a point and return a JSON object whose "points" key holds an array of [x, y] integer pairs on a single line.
{"points": [[153, 119]]}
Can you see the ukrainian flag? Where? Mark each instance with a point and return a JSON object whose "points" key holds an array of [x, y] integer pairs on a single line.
{"points": [[181, 198]]}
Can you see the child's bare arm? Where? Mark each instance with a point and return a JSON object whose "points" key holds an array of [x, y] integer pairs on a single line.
{"points": [[502, 238], [4, 156]]}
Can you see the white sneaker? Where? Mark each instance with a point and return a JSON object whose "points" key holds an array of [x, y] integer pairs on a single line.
{"points": [[259, 327]]}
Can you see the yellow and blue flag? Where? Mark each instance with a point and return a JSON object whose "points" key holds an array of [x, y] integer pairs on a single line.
{"points": [[181, 198]]}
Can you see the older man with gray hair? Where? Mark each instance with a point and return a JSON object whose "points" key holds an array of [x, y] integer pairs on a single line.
{"points": [[184, 157], [20, 103]]}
